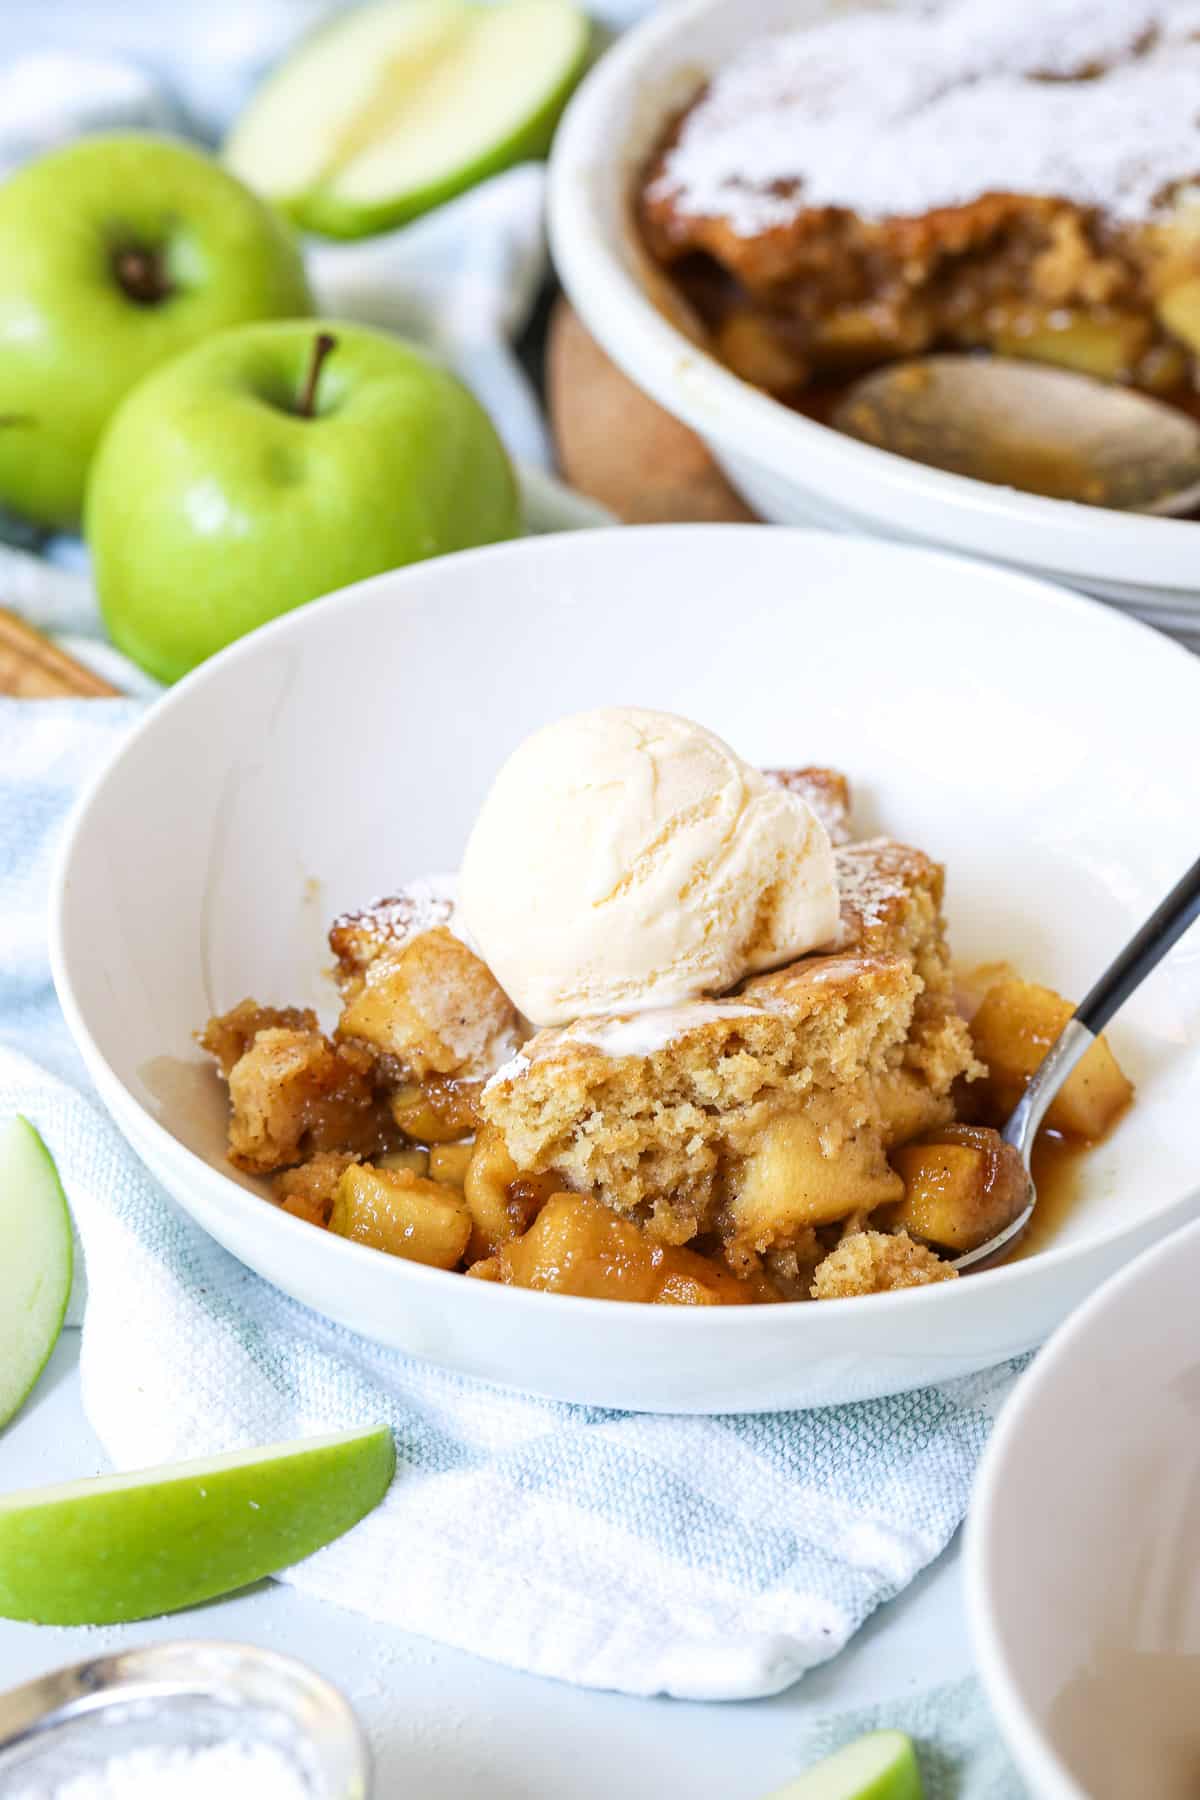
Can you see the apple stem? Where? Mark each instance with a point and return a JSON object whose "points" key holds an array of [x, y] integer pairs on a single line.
{"points": [[140, 273], [322, 345]]}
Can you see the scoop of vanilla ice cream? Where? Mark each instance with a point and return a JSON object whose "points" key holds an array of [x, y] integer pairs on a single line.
{"points": [[627, 859]]}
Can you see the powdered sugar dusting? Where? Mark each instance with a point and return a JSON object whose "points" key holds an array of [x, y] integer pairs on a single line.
{"points": [[420, 905], [867, 883], [642, 1034], [823, 791], [893, 113], [509, 1071]]}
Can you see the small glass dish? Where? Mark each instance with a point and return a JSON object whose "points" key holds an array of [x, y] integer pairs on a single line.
{"points": [[187, 1697]]}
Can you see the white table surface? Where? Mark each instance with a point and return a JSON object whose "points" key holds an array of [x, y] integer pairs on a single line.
{"points": [[445, 1725]]}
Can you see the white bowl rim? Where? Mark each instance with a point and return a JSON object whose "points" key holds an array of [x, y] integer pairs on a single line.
{"points": [[718, 404], [223, 1192], [1036, 1753]]}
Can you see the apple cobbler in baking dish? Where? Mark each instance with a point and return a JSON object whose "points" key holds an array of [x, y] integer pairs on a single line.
{"points": [[819, 1124], [964, 175]]}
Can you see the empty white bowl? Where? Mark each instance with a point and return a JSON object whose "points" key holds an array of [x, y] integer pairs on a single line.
{"points": [[1040, 744], [792, 469], [1083, 1551]]}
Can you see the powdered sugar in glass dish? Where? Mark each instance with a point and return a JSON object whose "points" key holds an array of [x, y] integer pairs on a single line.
{"points": [[184, 1719]]}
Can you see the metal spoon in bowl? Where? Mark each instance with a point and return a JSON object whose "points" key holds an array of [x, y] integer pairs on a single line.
{"points": [[1166, 924], [1025, 425]]}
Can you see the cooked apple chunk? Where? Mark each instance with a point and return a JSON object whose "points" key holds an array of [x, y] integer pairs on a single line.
{"points": [[973, 981], [578, 1245], [1015, 1025], [503, 1204], [449, 1163], [293, 1093], [793, 1179], [1179, 310], [409, 1156], [402, 1213], [437, 1110], [433, 1006], [962, 1185]]}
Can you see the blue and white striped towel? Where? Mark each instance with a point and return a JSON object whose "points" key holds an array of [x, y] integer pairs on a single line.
{"points": [[707, 1558]]}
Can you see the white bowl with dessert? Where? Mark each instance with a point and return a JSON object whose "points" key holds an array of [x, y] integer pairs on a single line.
{"points": [[753, 203], [681, 1097]]}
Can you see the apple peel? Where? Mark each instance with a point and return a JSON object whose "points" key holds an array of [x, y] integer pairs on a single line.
{"points": [[133, 1546], [36, 1264]]}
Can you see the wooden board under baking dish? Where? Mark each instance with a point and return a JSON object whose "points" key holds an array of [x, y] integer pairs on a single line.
{"points": [[618, 447]]}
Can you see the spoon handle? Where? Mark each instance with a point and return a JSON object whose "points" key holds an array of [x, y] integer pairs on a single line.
{"points": [[1165, 926]]}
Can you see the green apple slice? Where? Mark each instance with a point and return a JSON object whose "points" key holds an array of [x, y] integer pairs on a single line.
{"points": [[880, 1766], [35, 1263], [397, 106], [121, 1547]]}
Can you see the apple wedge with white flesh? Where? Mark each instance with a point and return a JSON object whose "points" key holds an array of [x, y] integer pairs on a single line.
{"points": [[37, 1257], [880, 1766], [121, 1547], [399, 105]]}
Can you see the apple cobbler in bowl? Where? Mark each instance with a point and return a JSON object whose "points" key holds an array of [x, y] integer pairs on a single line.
{"points": [[823, 1129], [448, 1096]]}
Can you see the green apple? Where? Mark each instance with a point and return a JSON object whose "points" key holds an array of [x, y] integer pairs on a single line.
{"points": [[273, 464], [120, 1547], [394, 107], [36, 1264], [880, 1766], [116, 253]]}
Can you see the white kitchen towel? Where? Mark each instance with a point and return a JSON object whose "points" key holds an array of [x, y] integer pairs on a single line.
{"points": [[707, 1558]]}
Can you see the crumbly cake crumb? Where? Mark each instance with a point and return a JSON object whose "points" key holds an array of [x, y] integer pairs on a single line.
{"points": [[875, 1262], [228, 1036], [307, 1190]]}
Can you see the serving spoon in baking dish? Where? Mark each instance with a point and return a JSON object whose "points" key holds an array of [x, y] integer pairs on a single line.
{"points": [[1025, 425], [1144, 951]]}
